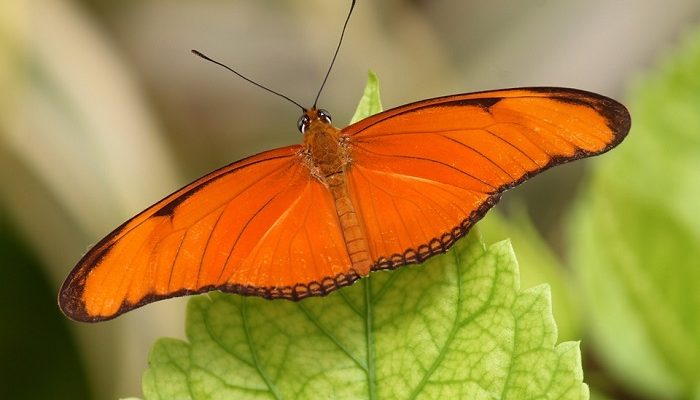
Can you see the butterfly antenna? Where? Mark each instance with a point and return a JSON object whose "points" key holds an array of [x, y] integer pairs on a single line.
{"points": [[337, 49], [197, 53]]}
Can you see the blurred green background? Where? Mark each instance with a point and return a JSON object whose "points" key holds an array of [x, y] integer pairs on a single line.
{"points": [[103, 111]]}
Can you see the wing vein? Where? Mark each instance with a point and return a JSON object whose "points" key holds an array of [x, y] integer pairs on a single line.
{"points": [[172, 265], [479, 153], [206, 245], [489, 131], [430, 161]]}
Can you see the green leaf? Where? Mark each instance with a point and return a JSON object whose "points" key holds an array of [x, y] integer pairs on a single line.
{"points": [[538, 265], [457, 326], [635, 238], [370, 102], [169, 380]]}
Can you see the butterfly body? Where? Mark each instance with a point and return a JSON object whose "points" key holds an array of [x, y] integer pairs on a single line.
{"points": [[326, 153]]}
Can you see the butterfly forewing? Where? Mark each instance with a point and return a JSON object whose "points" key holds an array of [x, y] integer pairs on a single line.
{"points": [[248, 228], [423, 173]]}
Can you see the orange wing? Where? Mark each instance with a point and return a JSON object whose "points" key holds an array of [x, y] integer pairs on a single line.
{"points": [[247, 228], [424, 173]]}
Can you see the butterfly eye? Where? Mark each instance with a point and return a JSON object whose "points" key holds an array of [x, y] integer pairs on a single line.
{"points": [[303, 123], [324, 116]]}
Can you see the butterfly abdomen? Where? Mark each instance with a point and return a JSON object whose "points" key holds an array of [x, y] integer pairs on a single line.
{"points": [[353, 233]]}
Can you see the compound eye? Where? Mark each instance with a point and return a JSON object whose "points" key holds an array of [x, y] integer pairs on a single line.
{"points": [[324, 116], [303, 123]]}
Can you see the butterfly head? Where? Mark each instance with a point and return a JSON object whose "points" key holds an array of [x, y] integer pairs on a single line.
{"points": [[313, 119]]}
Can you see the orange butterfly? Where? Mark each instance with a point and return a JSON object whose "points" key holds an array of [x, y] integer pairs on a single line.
{"points": [[305, 220]]}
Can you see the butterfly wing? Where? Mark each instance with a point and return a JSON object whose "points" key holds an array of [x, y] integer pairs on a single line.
{"points": [[247, 228], [424, 173]]}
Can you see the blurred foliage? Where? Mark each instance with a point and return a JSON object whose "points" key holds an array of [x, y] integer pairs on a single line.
{"points": [[37, 349], [635, 238]]}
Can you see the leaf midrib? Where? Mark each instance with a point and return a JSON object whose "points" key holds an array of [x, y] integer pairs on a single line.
{"points": [[369, 330]]}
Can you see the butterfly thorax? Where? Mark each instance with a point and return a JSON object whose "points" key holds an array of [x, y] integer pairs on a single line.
{"points": [[325, 151]]}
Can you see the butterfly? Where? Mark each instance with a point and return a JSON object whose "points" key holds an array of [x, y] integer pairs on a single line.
{"points": [[304, 220]]}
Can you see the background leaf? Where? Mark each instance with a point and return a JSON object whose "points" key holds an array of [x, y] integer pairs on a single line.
{"points": [[538, 265], [370, 102], [635, 236]]}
